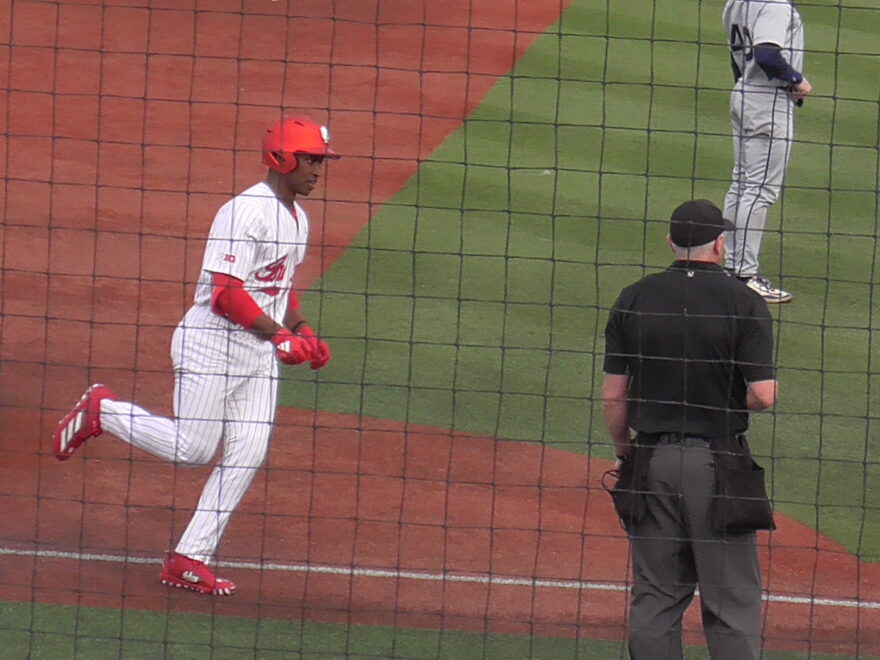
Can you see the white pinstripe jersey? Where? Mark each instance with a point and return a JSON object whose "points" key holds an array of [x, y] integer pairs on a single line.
{"points": [[750, 22], [256, 239]]}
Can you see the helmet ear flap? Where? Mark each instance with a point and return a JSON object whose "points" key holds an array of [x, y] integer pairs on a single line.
{"points": [[282, 162]]}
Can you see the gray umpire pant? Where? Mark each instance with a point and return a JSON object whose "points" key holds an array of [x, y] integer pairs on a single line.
{"points": [[675, 548]]}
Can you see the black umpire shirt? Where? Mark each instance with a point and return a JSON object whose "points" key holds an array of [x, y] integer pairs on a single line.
{"points": [[691, 338]]}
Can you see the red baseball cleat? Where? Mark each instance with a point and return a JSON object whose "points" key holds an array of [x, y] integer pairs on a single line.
{"points": [[81, 423], [181, 571]]}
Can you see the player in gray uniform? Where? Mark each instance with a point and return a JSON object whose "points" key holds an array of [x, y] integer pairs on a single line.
{"points": [[766, 40]]}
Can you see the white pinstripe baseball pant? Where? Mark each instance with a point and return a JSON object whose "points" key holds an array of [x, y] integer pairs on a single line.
{"points": [[226, 384]]}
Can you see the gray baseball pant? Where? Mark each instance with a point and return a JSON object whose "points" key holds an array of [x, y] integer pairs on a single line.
{"points": [[763, 129]]}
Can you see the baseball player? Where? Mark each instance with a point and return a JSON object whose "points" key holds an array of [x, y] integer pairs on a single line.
{"points": [[766, 40], [226, 351]]}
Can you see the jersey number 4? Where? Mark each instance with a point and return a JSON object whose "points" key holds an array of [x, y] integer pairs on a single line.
{"points": [[741, 42]]}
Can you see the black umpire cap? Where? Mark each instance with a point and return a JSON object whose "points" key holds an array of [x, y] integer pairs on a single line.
{"points": [[696, 223]]}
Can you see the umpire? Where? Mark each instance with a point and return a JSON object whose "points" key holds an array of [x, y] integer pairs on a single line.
{"points": [[688, 352]]}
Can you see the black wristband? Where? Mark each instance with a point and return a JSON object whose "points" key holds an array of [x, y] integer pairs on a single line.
{"points": [[297, 326]]}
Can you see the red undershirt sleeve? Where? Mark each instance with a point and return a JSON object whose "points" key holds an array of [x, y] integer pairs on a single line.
{"points": [[293, 301], [231, 301]]}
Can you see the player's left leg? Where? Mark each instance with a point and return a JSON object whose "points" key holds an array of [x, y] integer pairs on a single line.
{"points": [[250, 417], [737, 181], [765, 157]]}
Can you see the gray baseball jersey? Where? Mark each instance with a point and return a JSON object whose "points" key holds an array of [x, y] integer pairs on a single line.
{"points": [[751, 22]]}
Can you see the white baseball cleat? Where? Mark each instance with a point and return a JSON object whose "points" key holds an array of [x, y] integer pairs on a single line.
{"points": [[762, 286], [81, 423]]}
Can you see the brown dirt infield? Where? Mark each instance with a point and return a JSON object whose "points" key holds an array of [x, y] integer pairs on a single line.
{"points": [[150, 129], [402, 506]]}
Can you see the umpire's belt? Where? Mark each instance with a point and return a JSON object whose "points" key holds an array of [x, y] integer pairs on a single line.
{"points": [[682, 439]]}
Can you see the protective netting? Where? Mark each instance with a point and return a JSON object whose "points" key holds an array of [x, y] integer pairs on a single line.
{"points": [[435, 491]]}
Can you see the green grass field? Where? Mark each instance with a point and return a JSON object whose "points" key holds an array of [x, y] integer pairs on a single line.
{"points": [[477, 298], [60, 633]]}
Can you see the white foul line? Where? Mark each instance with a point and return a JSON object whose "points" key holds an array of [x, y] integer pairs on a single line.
{"points": [[424, 576]]}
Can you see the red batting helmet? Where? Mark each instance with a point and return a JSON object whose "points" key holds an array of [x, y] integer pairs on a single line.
{"points": [[296, 135]]}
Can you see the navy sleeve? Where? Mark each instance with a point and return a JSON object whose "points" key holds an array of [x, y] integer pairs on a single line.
{"points": [[769, 58]]}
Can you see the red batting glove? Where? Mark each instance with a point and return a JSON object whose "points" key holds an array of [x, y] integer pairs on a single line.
{"points": [[323, 356], [320, 350], [291, 348]]}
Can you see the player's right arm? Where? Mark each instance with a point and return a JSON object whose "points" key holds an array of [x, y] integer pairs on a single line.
{"points": [[228, 260], [231, 301], [229, 255]]}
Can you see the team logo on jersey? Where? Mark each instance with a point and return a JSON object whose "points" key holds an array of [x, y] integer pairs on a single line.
{"points": [[274, 272], [229, 257]]}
